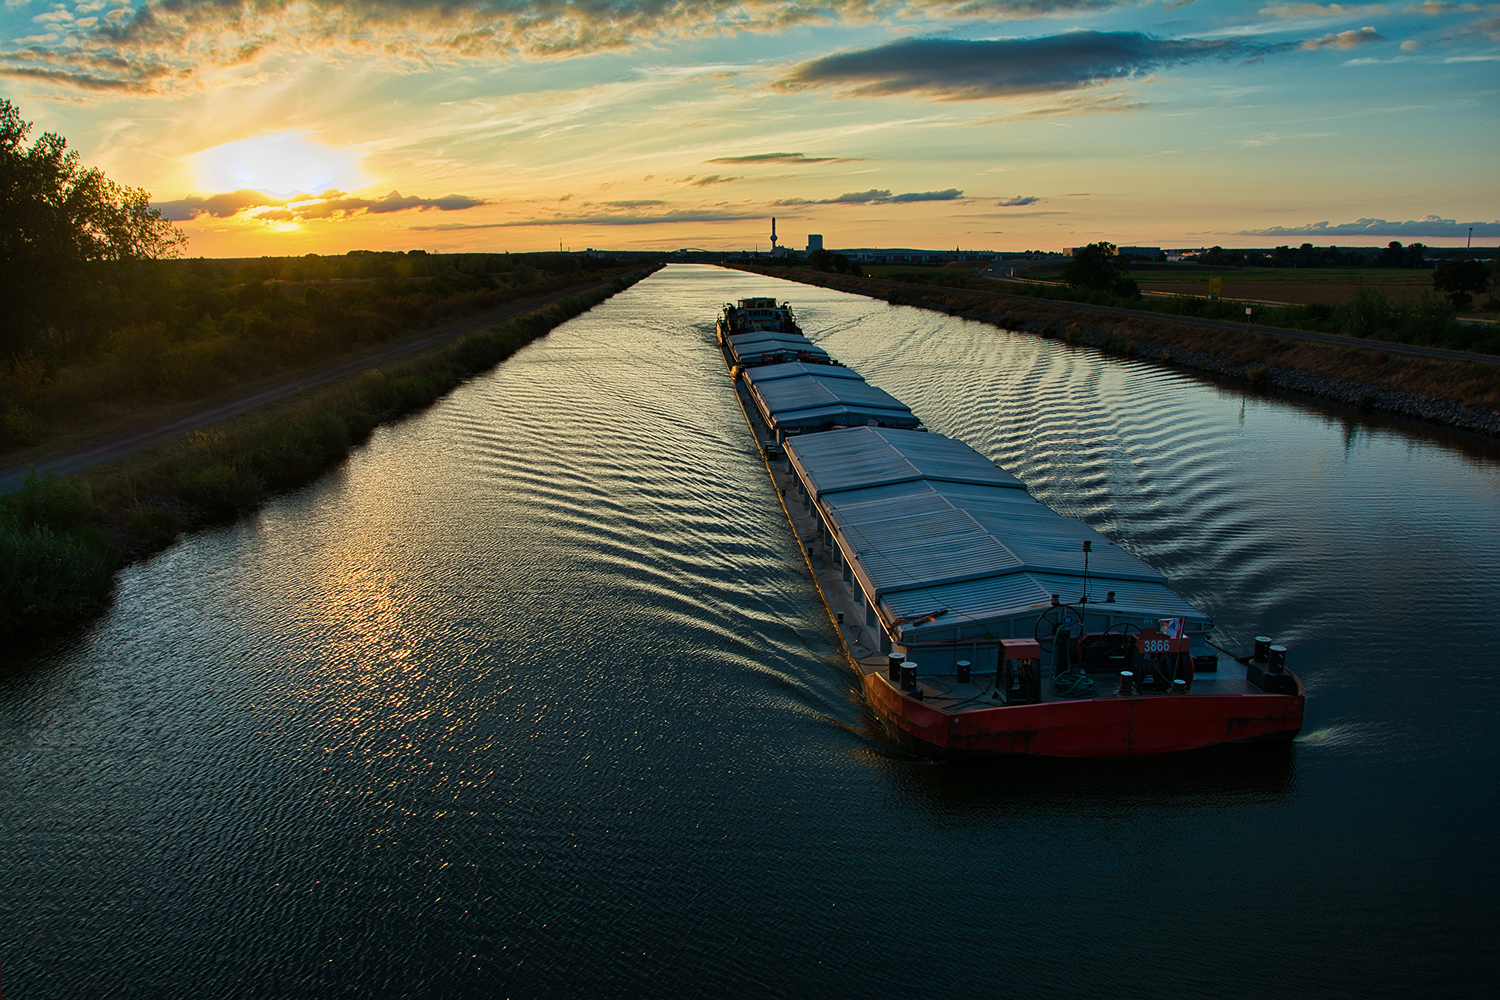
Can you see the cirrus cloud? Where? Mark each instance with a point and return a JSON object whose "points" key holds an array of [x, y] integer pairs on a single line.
{"points": [[605, 218], [163, 46], [1300, 11]]}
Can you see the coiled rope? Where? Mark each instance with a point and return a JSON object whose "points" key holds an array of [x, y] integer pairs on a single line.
{"points": [[1073, 684]]}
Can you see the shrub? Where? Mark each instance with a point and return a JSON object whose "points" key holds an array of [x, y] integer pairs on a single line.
{"points": [[292, 451], [358, 425], [153, 526], [48, 578], [19, 426], [58, 503], [222, 487], [405, 394]]}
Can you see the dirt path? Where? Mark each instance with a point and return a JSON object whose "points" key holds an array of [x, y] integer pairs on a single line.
{"points": [[78, 459]]}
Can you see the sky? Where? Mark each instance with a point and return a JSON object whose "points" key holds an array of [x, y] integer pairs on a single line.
{"points": [[319, 126]]}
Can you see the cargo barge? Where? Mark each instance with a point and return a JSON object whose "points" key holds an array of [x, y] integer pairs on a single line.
{"points": [[981, 621]]}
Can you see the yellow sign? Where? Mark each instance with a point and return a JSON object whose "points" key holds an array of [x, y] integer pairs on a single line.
{"points": [[1215, 287]]}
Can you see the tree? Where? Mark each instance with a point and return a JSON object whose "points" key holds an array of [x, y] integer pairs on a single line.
{"points": [[57, 220], [1219, 257], [1395, 255], [1458, 278], [843, 265], [1098, 267]]}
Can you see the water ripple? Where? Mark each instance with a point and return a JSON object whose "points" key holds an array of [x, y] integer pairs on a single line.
{"points": [[533, 697]]}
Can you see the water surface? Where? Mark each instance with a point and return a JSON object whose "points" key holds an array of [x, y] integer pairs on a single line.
{"points": [[533, 698]]}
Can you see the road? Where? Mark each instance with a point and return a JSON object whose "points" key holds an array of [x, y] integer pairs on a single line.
{"points": [[66, 463]]}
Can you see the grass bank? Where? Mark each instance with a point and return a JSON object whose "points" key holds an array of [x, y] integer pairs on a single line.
{"points": [[1413, 314], [1456, 393], [173, 333], [1425, 321], [62, 538]]}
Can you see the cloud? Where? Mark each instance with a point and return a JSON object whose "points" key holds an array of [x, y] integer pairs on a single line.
{"points": [[877, 196], [1017, 201], [712, 179], [1429, 226], [259, 207], [1345, 39], [164, 46], [218, 206], [1272, 138], [606, 219], [1085, 102], [1301, 11], [793, 158], [967, 70], [394, 202], [1434, 7], [947, 194]]}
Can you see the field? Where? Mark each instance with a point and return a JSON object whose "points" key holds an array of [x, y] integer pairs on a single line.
{"points": [[1292, 286], [1296, 286]]}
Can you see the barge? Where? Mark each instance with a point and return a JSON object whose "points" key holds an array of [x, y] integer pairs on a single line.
{"points": [[981, 622]]}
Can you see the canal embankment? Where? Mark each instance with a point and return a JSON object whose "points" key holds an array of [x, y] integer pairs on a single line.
{"points": [[1450, 388], [62, 538]]}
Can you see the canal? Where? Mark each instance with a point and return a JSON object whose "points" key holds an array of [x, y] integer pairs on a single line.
{"points": [[533, 698]]}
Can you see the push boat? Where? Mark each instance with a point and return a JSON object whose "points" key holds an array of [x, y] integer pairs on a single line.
{"points": [[981, 622]]}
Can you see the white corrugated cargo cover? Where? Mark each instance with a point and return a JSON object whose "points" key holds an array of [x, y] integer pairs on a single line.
{"points": [[814, 401], [792, 369], [1008, 606], [779, 335], [861, 457], [822, 417], [753, 350], [966, 540]]}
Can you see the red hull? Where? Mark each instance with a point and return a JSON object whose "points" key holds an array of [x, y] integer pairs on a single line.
{"points": [[1097, 727]]}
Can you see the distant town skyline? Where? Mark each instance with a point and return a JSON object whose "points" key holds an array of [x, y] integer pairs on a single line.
{"points": [[521, 125]]}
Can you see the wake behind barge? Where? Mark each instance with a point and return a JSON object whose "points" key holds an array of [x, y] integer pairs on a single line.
{"points": [[981, 621]]}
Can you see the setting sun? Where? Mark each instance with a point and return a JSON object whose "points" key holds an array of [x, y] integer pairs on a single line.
{"points": [[284, 164]]}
